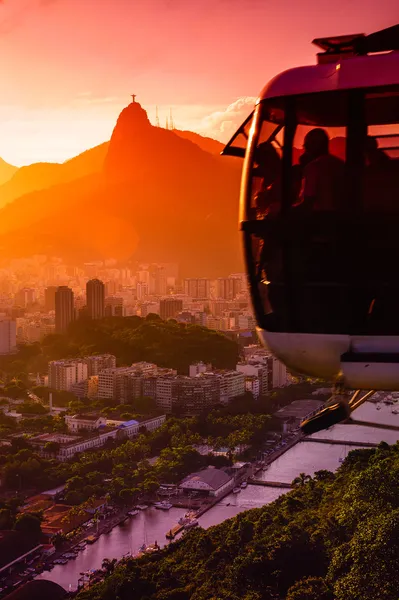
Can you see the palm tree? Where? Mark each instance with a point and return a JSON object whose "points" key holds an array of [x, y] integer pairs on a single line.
{"points": [[108, 565], [301, 480]]}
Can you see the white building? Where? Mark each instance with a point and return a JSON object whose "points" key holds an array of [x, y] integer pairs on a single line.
{"points": [[198, 368], [72, 444], [258, 370], [166, 392], [253, 385], [280, 378], [99, 362], [76, 423], [65, 373], [8, 336], [214, 482], [124, 383], [232, 384]]}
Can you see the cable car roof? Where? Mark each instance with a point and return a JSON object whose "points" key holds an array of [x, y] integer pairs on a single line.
{"points": [[347, 63], [342, 74]]}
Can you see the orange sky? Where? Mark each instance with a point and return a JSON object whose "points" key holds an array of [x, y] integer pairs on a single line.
{"points": [[68, 66]]}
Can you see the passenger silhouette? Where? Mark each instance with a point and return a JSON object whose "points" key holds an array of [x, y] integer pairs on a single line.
{"points": [[323, 176], [269, 170]]}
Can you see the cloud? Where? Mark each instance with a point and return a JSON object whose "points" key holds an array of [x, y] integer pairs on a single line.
{"points": [[222, 124]]}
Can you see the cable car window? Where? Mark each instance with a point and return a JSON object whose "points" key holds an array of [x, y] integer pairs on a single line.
{"points": [[238, 143]]}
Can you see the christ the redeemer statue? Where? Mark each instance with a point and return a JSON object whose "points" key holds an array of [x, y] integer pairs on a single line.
{"points": [[133, 97]]}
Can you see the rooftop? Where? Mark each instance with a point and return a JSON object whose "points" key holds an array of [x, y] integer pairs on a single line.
{"points": [[86, 417], [299, 409], [214, 478], [38, 590]]}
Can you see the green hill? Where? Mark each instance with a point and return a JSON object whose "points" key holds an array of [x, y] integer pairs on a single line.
{"points": [[334, 537], [130, 339]]}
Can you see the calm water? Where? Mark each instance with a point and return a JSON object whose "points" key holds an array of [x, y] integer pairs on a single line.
{"points": [[307, 457], [149, 525], [252, 497]]}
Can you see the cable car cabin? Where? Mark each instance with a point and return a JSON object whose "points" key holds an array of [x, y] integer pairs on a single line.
{"points": [[320, 212]]}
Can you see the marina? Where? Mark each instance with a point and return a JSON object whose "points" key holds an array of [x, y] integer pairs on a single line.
{"points": [[146, 528]]}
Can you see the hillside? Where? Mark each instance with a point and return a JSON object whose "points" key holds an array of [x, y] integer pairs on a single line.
{"points": [[334, 537], [40, 176], [205, 143], [130, 339], [6, 171], [159, 197]]}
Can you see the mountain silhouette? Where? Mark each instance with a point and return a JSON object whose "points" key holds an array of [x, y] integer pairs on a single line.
{"points": [[6, 171], [39, 176], [205, 143], [159, 197]]}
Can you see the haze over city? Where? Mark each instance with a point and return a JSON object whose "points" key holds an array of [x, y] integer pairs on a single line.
{"points": [[199, 341]]}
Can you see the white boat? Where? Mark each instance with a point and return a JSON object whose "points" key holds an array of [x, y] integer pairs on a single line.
{"points": [[236, 490], [191, 524], [133, 513], [142, 506], [163, 505], [244, 485]]}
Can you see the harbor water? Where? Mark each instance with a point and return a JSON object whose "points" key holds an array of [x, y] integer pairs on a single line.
{"points": [[151, 525]]}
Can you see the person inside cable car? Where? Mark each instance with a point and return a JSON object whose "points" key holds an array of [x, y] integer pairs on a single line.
{"points": [[323, 176], [267, 199]]}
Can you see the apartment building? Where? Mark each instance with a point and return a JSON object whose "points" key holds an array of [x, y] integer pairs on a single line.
{"points": [[63, 374], [99, 362]]}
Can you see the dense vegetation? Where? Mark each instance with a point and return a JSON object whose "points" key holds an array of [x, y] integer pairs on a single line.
{"points": [[121, 468], [130, 339], [334, 537]]}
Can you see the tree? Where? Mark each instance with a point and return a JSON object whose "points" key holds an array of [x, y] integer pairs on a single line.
{"points": [[29, 525], [108, 565], [301, 480], [311, 588], [52, 448]]}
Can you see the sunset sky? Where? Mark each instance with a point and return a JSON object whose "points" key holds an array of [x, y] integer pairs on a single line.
{"points": [[69, 66]]}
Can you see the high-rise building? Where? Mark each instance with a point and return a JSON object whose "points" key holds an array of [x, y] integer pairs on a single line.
{"points": [[95, 295], [8, 336], [157, 280], [64, 308], [111, 287], [63, 374], [141, 290], [49, 298], [169, 308], [25, 297], [99, 362], [197, 288], [228, 287], [113, 307]]}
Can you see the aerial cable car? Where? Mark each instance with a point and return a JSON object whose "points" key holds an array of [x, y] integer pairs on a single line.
{"points": [[319, 213]]}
